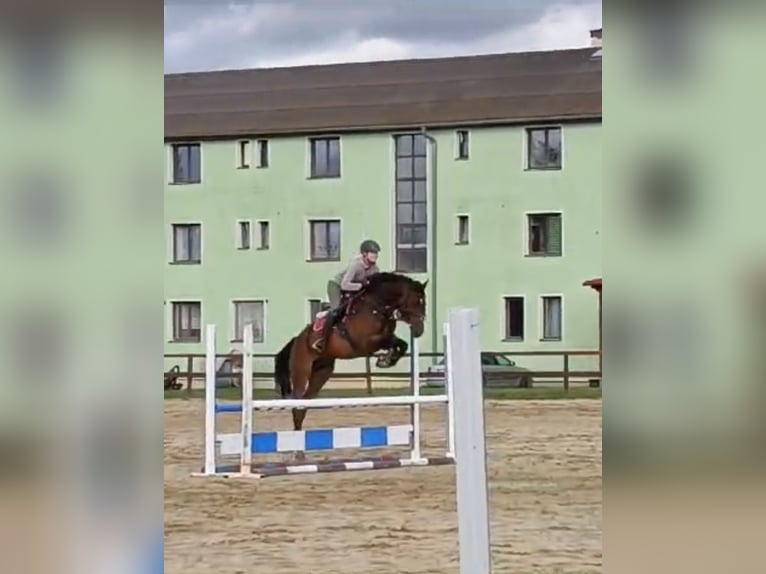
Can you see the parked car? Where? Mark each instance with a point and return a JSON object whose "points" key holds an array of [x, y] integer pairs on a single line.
{"points": [[497, 371]]}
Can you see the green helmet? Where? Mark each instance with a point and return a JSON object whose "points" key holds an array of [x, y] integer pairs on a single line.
{"points": [[369, 246]]}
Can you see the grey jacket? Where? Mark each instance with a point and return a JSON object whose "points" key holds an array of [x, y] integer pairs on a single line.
{"points": [[355, 274]]}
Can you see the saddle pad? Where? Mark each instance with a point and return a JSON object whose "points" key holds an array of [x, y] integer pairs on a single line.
{"points": [[319, 322]]}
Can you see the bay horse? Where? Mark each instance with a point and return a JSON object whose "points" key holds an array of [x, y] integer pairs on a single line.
{"points": [[363, 325]]}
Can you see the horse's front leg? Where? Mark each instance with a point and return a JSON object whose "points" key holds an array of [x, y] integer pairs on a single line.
{"points": [[397, 348]]}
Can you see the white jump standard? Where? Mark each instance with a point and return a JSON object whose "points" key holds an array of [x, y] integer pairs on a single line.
{"points": [[247, 442], [465, 432]]}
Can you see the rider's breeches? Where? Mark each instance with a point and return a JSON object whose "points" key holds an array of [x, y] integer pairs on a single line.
{"points": [[333, 294]]}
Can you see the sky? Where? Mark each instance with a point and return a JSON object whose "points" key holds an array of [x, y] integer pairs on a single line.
{"points": [[215, 35]]}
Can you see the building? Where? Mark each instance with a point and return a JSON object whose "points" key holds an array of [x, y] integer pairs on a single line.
{"points": [[482, 174]]}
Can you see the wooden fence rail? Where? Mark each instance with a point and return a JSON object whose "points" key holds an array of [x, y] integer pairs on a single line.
{"points": [[566, 374]]}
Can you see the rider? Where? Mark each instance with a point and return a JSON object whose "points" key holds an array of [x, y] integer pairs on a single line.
{"points": [[350, 280]]}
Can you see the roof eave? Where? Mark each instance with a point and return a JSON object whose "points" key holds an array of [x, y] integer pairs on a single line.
{"points": [[580, 117]]}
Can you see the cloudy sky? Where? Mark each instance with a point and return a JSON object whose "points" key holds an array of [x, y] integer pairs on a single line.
{"points": [[215, 35]]}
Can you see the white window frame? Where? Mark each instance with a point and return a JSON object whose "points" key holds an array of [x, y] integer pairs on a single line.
{"points": [[237, 337], [171, 240], [525, 148], [257, 152], [503, 337], [169, 155], [258, 223], [525, 233], [309, 139], [169, 305], [307, 237], [456, 145], [248, 157], [541, 317], [237, 235], [457, 229]]}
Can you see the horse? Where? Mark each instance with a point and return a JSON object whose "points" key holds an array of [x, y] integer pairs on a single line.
{"points": [[362, 326]]}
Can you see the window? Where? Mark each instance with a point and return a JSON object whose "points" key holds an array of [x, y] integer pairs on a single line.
{"points": [[544, 148], [263, 153], [315, 306], [187, 243], [325, 240], [325, 157], [411, 204], [243, 235], [187, 318], [249, 313], [243, 154], [186, 163], [504, 361], [462, 144], [544, 234], [551, 318], [514, 318], [463, 230], [264, 235], [40, 65]]}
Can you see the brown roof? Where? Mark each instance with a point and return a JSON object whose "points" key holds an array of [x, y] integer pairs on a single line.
{"points": [[594, 283], [498, 88]]}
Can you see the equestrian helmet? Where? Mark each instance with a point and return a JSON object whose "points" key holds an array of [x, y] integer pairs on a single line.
{"points": [[369, 246]]}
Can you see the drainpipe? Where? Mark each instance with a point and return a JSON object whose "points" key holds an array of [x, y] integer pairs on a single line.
{"points": [[432, 187]]}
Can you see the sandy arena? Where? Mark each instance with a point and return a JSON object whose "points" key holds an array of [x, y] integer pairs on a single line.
{"points": [[545, 499]]}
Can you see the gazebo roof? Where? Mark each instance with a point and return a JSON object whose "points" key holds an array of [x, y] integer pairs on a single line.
{"points": [[593, 283]]}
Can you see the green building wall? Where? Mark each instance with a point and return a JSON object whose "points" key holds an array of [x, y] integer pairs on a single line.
{"points": [[492, 187]]}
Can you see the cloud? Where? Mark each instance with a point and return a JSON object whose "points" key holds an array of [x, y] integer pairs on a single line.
{"points": [[300, 33]]}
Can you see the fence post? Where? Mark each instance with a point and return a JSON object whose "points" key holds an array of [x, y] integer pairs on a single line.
{"points": [[189, 373], [566, 372], [368, 375]]}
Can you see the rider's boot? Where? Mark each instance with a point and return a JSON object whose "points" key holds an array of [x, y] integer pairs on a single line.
{"points": [[319, 344]]}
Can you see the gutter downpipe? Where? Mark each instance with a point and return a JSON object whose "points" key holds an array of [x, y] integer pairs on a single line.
{"points": [[432, 187]]}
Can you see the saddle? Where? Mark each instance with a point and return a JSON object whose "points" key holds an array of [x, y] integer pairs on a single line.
{"points": [[322, 326]]}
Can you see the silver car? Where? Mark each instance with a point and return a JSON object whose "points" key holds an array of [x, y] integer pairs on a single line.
{"points": [[497, 371]]}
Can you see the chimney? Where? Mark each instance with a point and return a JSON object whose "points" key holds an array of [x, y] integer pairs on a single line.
{"points": [[595, 37]]}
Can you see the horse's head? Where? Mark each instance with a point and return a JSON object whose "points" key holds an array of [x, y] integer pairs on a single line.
{"points": [[413, 307], [405, 296]]}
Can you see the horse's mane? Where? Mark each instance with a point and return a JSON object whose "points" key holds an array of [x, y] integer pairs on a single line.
{"points": [[387, 278]]}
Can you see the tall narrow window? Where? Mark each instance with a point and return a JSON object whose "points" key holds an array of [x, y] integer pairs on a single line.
{"points": [[514, 318], [186, 163], [264, 235], [243, 235], [187, 319], [463, 230], [544, 232], [263, 153], [552, 318], [462, 144], [187, 243], [243, 154], [411, 203], [325, 157]]}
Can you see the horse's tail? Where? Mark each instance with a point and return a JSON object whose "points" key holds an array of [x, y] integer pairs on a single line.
{"points": [[282, 369]]}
